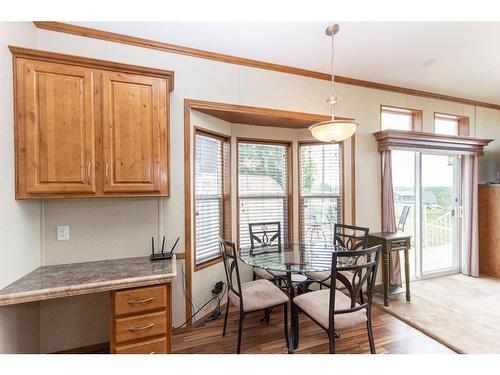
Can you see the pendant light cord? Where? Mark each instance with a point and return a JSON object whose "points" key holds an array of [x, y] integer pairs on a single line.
{"points": [[333, 96]]}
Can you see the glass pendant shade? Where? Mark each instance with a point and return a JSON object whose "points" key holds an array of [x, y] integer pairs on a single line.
{"points": [[333, 130]]}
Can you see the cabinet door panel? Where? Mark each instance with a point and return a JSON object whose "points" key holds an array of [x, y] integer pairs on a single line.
{"points": [[58, 128], [133, 115]]}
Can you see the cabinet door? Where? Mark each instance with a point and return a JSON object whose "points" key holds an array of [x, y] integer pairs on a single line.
{"points": [[55, 128], [134, 122]]}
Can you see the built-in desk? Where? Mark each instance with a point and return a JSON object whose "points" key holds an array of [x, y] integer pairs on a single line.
{"points": [[140, 297]]}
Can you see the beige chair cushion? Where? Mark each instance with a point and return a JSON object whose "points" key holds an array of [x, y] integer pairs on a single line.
{"points": [[263, 274], [268, 275], [320, 276], [316, 305], [258, 295]]}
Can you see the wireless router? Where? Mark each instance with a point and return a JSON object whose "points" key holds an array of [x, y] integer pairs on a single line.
{"points": [[162, 255]]}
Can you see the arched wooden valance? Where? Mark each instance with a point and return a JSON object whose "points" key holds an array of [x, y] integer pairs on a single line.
{"points": [[429, 142]]}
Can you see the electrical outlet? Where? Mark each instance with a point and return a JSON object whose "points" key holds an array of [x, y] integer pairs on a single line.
{"points": [[63, 232]]}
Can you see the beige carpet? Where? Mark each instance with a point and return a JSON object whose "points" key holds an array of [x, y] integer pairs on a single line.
{"points": [[461, 312]]}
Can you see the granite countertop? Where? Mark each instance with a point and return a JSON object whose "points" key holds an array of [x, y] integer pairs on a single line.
{"points": [[90, 277]]}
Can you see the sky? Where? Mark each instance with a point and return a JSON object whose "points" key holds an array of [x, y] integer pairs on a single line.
{"points": [[435, 169]]}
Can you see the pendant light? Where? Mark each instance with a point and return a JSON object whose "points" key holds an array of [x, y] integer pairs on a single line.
{"points": [[333, 130]]}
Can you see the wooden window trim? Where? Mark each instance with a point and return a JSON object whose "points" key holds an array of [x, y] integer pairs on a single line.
{"points": [[289, 148], [342, 180], [463, 122], [226, 201], [416, 115]]}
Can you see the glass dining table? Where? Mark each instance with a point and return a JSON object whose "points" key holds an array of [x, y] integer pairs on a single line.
{"points": [[294, 258]]}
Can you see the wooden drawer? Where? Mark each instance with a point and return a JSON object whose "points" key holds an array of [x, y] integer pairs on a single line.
{"points": [[156, 346], [140, 300], [140, 327]]}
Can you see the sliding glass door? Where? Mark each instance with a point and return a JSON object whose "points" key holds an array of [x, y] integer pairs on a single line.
{"points": [[426, 188], [439, 219]]}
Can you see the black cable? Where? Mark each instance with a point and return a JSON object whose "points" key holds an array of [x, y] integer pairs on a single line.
{"points": [[184, 286], [192, 316]]}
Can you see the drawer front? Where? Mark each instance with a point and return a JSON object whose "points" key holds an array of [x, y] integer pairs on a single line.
{"points": [[156, 346], [141, 327], [400, 244], [134, 301]]}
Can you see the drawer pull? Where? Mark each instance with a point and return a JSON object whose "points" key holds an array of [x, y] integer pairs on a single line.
{"points": [[140, 301], [135, 329]]}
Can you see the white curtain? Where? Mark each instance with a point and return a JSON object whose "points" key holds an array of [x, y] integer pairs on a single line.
{"points": [[470, 249], [388, 214]]}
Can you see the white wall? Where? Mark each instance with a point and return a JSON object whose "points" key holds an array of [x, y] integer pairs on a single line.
{"points": [[122, 227], [19, 220]]}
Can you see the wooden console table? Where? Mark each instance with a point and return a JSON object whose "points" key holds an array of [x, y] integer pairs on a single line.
{"points": [[392, 242]]}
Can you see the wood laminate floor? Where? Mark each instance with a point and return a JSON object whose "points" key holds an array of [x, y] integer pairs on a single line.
{"points": [[391, 336]]}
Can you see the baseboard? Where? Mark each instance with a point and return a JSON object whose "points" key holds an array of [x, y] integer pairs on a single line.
{"points": [[101, 348]]}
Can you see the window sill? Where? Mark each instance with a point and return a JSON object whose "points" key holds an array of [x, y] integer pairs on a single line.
{"points": [[207, 263]]}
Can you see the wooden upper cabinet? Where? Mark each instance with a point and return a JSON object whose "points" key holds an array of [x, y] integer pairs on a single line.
{"points": [[133, 137], [57, 130], [89, 128]]}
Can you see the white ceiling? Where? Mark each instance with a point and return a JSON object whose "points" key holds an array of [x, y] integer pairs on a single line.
{"points": [[459, 59]]}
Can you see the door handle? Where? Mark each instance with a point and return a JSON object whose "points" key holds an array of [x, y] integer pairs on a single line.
{"points": [[107, 173], [142, 328]]}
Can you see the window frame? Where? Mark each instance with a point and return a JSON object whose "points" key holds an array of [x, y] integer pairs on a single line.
{"points": [[342, 180], [289, 150], [416, 116], [463, 123], [226, 192]]}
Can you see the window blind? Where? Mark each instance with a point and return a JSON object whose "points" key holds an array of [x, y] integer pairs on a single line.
{"points": [[209, 196], [263, 185], [320, 190]]}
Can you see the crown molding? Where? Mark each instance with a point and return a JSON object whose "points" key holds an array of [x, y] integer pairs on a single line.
{"points": [[172, 48], [34, 54]]}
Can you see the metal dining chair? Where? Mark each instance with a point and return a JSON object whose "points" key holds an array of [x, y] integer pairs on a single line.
{"points": [[265, 234], [403, 218], [268, 234], [350, 237], [333, 310], [252, 296]]}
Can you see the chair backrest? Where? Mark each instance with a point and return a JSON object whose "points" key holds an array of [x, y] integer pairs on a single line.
{"points": [[230, 259], [265, 234], [403, 217], [362, 265], [350, 237]]}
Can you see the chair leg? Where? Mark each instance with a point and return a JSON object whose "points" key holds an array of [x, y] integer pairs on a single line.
{"points": [[285, 322], [370, 336], [225, 319], [331, 343], [254, 277], [240, 329], [298, 330]]}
